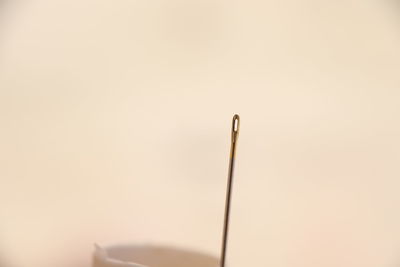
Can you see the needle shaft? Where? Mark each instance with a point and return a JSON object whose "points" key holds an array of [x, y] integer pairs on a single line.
{"points": [[234, 137]]}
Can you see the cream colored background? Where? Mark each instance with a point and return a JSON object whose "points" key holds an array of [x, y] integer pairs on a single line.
{"points": [[115, 120]]}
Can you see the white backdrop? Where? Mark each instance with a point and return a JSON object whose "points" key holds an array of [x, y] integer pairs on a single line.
{"points": [[115, 125]]}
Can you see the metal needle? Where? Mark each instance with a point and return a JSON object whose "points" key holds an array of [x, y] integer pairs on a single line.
{"points": [[234, 137]]}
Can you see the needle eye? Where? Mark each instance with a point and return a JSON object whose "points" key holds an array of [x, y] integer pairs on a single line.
{"points": [[235, 127]]}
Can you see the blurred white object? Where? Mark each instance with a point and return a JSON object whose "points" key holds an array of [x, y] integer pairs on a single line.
{"points": [[149, 256], [102, 259]]}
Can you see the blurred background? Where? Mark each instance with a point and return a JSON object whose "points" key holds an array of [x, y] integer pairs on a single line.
{"points": [[115, 127]]}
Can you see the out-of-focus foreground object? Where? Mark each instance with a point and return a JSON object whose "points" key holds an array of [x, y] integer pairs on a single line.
{"points": [[149, 255]]}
